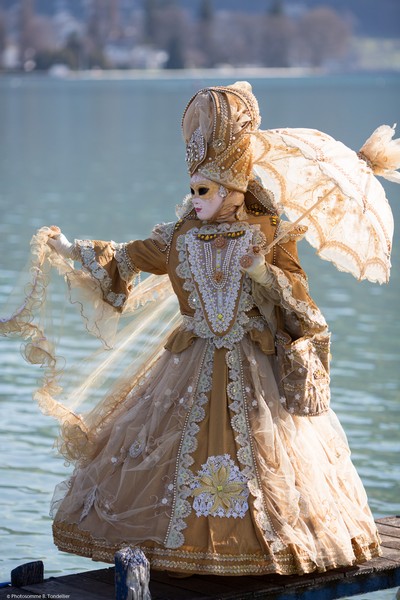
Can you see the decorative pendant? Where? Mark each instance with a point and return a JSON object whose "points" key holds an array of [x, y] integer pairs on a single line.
{"points": [[218, 276], [220, 242]]}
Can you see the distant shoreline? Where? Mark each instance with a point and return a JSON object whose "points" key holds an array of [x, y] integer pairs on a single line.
{"points": [[253, 72], [59, 72]]}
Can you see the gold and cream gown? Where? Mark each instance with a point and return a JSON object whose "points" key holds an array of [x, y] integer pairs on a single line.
{"points": [[203, 466]]}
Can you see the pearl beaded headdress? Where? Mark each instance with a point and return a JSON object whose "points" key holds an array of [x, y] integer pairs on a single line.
{"points": [[216, 126]]}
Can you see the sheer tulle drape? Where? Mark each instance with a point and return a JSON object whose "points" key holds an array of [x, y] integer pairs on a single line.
{"points": [[82, 389]]}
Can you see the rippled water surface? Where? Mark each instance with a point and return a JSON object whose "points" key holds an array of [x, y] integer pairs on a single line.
{"points": [[105, 160]]}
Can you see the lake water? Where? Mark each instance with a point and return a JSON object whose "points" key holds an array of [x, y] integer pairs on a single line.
{"points": [[104, 159]]}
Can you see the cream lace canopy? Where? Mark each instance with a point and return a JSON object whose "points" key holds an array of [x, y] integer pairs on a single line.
{"points": [[349, 219]]}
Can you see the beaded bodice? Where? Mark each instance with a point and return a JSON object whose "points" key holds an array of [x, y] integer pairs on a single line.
{"points": [[219, 292]]}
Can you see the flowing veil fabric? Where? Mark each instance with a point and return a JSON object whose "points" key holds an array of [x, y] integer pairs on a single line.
{"points": [[82, 385]]}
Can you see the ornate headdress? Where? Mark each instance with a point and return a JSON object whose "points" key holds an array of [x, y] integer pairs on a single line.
{"points": [[216, 124]]}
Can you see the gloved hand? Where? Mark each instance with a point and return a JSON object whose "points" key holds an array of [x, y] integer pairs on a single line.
{"points": [[60, 243], [253, 263]]}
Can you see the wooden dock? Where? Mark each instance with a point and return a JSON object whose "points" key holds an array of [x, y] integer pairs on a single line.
{"points": [[377, 574]]}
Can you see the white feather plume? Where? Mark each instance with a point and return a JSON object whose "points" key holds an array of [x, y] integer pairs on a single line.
{"points": [[382, 152]]}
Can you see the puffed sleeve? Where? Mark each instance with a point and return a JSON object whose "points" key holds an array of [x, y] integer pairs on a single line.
{"points": [[115, 266], [287, 287]]}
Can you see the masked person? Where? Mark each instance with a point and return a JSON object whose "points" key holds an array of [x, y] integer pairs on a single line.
{"points": [[225, 457]]}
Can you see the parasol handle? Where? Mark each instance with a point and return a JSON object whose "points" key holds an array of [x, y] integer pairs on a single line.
{"points": [[297, 221]]}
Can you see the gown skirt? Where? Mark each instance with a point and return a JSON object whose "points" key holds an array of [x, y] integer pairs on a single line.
{"points": [[204, 469]]}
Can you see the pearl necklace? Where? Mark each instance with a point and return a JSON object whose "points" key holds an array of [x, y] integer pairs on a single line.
{"points": [[216, 280]]}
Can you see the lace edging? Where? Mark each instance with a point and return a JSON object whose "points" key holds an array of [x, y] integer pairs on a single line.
{"points": [[200, 300], [312, 316], [183, 476], [163, 232], [89, 262], [127, 269], [241, 427]]}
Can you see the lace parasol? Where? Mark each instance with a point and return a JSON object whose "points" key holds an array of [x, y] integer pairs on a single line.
{"points": [[334, 192]]}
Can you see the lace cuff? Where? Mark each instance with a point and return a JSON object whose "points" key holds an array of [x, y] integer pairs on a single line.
{"points": [[304, 309], [163, 232], [87, 255], [127, 269]]}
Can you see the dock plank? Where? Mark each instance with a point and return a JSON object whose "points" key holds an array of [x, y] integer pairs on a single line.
{"points": [[393, 521], [55, 587], [106, 575], [391, 554], [101, 589], [194, 583], [382, 564], [388, 530], [98, 584], [391, 542], [245, 584]]}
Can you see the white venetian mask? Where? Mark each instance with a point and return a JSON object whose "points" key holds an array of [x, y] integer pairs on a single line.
{"points": [[207, 196]]}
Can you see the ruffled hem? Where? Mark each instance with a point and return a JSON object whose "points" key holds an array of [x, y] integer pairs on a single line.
{"points": [[69, 538]]}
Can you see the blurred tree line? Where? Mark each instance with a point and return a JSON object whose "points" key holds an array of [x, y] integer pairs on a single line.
{"points": [[160, 33]]}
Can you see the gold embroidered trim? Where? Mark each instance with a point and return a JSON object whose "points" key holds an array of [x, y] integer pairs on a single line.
{"points": [[69, 538], [209, 237]]}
